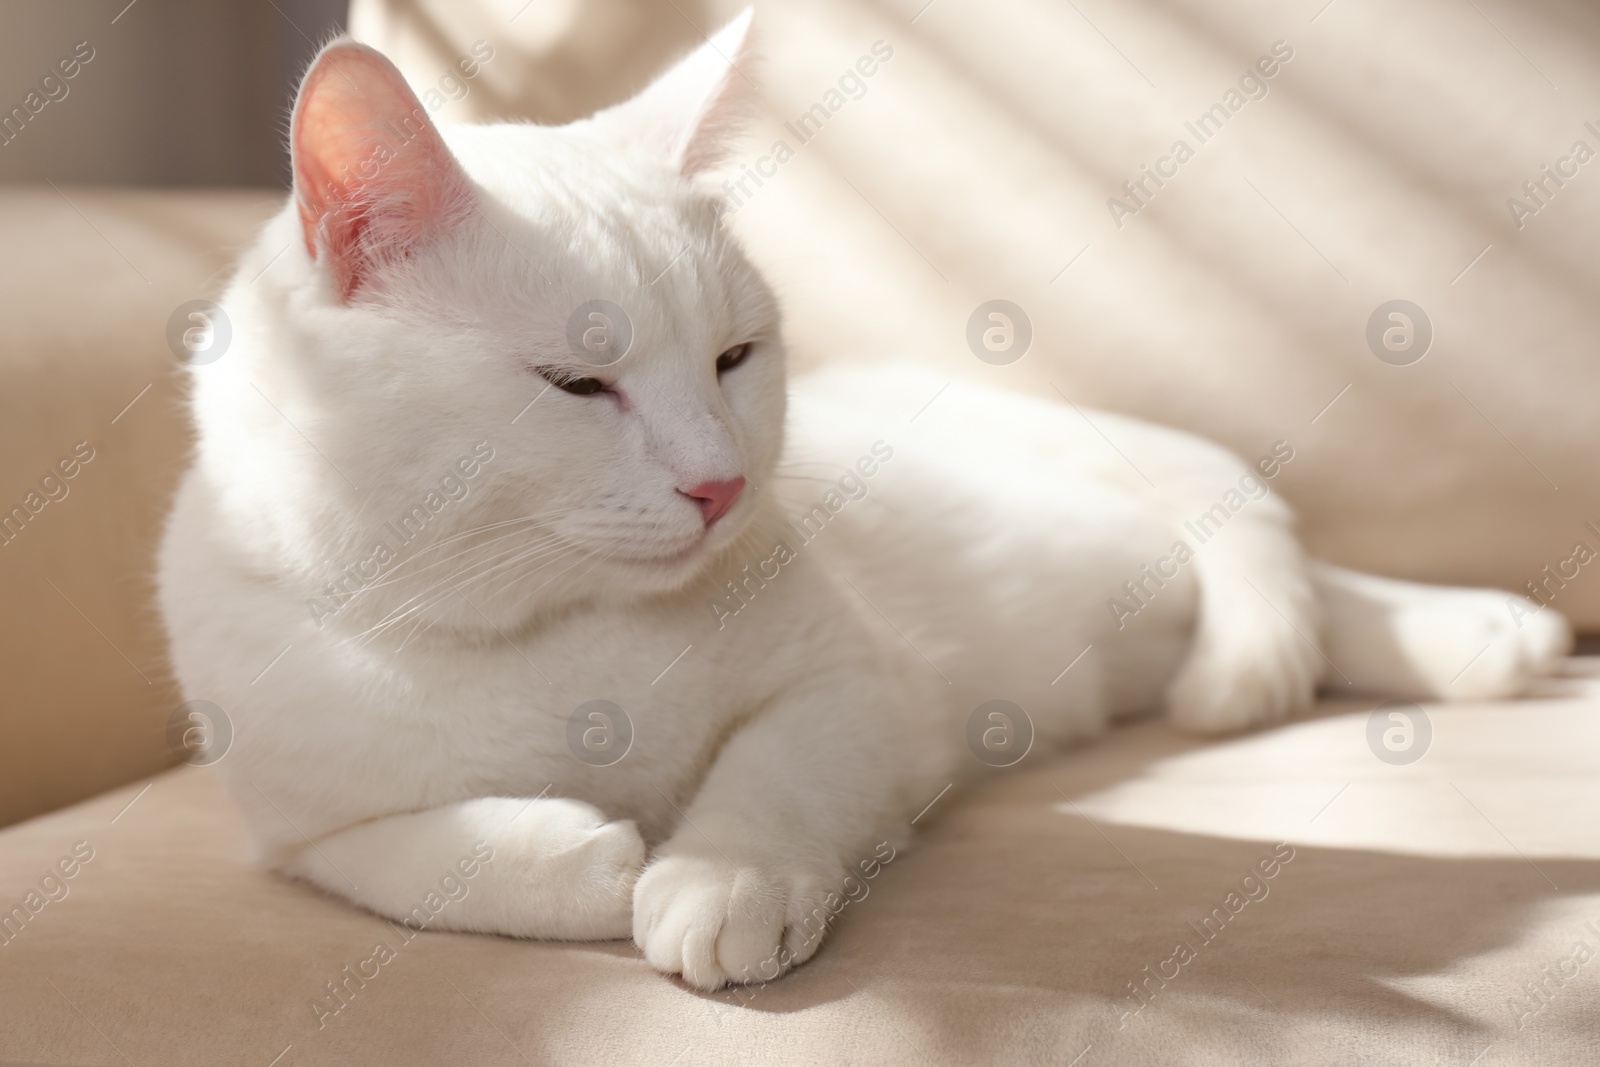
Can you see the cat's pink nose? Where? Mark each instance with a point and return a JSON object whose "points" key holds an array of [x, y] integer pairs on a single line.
{"points": [[715, 498]]}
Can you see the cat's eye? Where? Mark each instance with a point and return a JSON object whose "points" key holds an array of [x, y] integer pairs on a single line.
{"points": [[732, 357], [571, 383]]}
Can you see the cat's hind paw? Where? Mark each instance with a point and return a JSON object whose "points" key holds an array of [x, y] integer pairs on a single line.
{"points": [[1468, 645], [1243, 678]]}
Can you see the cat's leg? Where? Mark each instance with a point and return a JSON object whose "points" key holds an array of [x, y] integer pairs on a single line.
{"points": [[800, 797], [1254, 659], [1429, 642], [540, 867]]}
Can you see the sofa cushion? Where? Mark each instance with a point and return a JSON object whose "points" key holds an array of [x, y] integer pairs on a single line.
{"points": [[1335, 907]]}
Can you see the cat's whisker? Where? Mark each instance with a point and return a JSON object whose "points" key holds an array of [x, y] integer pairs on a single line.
{"points": [[544, 557], [536, 519], [553, 577], [423, 623], [541, 544], [403, 570], [519, 578], [408, 568], [439, 590]]}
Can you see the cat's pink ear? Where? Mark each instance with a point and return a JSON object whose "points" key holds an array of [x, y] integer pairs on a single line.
{"points": [[372, 177], [691, 115]]}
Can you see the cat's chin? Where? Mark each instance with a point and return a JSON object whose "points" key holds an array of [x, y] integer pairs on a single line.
{"points": [[669, 564], [645, 573]]}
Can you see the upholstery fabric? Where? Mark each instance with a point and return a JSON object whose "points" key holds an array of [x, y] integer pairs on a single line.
{"points": [[1420, 904], [88, 283]]}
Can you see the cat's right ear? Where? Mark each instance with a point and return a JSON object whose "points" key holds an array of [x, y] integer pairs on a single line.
{"points": [[691, 116], [372, 177]]}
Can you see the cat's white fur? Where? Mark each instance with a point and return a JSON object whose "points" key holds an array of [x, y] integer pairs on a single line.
{"points": [[773, 749]]}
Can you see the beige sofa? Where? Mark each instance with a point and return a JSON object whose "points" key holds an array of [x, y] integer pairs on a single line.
{"points": [[1436, 913], [1442, 911]]}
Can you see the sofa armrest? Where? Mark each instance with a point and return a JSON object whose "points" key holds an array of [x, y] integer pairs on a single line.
{"points": [[91, 444]]}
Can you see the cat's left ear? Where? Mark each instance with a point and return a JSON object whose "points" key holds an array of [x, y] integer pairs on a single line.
{"points": [[692, 114]]}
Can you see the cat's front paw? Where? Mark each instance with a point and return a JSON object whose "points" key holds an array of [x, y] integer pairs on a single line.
{"points": [[701, 917], [579, 881]]}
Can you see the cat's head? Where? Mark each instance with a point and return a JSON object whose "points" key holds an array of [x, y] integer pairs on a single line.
{"points": [[568, 295]]}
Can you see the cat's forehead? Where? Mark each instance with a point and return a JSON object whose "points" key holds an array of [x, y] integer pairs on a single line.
{"points": [[576, 217], [571, 179]]}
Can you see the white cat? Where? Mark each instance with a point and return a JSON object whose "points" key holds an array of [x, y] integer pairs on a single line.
{"points": [[435, 514]]}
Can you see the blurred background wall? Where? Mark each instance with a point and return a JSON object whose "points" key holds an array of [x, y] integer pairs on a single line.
{"points": [[177, 92], [1340, 155], [1382, 159]]}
